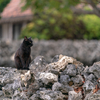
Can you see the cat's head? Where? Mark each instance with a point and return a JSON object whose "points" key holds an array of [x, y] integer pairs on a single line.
{"points": [[27, 41]]}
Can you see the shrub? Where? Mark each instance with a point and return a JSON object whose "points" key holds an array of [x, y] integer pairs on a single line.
{"points": [[54, 25], [3, 4], [92, 24]]}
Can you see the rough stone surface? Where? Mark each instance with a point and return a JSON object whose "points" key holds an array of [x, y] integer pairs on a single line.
{"points": [[47, 78], [9, 89], [19, 96], [88, 86], [61, 64], [48, 95], [60, 87], [77, 80], [64, 78], [95, 69], [92, 96], [74, 96], [27, 78], [8, 75], [70, 70], [91, 78], [38, 65], [55, 58]]}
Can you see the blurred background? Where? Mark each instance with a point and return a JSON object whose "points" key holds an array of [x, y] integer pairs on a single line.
{"points": [[57, 27]]}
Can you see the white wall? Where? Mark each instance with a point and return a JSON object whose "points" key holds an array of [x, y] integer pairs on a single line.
{"points": [[7, 32]]}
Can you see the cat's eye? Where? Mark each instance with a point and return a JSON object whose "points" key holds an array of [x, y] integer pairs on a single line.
{"points": [[30, 42]]}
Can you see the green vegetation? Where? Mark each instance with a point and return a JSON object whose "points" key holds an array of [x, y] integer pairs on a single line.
{"points": [[53, 19], [60, 26], [55, 26], [92, 23], [3, 4], [38, 6], [87, 8]]}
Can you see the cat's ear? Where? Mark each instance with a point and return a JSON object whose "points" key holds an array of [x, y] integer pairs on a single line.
{"points": [[25, 38], [29, 38]]}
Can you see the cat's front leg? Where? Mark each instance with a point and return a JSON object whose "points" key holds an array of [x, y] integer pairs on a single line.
{"points": [[23, 63], [28, 62]]}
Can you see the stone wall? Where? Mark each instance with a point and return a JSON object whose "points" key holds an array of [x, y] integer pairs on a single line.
{"points": [[87, 52]]}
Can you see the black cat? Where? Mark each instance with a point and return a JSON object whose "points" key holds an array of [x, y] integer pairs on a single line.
{"points": [[22, 56]]}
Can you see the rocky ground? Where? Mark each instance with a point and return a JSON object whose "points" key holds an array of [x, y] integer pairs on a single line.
{"points": [[87, 52], [64, 78]]}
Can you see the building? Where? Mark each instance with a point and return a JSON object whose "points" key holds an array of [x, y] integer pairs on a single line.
{"points": [[13, 20]]}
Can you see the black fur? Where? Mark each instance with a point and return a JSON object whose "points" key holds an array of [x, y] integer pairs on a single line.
{"points": [[22, 56]]}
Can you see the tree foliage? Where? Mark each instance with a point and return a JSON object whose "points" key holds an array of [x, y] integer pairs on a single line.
{"points": [[38, 6], [55, 26], [53, 19], [92, 24], [95, 5], [3, 3]]}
